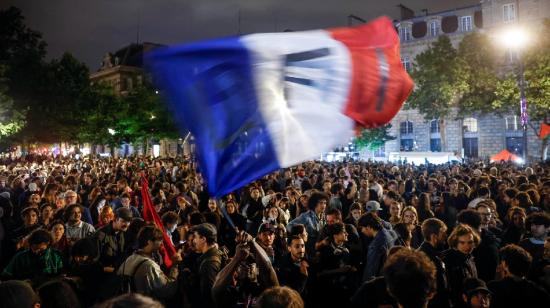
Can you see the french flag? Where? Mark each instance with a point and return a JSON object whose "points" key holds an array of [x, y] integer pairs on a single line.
{"points": [[260, 102]]}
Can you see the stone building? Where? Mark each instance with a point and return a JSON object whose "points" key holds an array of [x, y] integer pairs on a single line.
{"points": [[123, 70], [476, 135]]}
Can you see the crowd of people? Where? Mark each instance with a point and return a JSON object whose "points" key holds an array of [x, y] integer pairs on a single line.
{"points": [[342, 234]]}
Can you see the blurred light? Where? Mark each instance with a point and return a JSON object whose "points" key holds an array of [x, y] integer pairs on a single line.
{"points": [[153, 117], [156, 150], [111, 131], [514, 38]]}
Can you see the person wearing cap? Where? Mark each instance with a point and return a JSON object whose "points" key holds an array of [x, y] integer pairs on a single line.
{"points": [[540, 228], [475, 294], [110, 242], [37, 262], [371, 226], [513, 289], [207, 265], [265, 238], [375, 208]]}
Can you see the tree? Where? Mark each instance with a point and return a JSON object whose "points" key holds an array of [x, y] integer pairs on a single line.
{"points": [[55, 115], [476, 54], [22, 52], [373, 138], [11, 120], [439, 77]]}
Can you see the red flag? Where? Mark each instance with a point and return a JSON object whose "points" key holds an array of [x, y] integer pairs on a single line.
{"points": [[150, 215], [544, 130]]}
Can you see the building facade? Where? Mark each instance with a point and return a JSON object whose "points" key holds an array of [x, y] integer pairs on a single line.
{"points": [[123, 70], [475, 135]]}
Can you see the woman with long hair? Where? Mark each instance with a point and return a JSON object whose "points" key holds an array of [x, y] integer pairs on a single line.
{"points": [[515, 226], [409, 216], [59, 240], [50, 192], [97, 202], [423, 207]]}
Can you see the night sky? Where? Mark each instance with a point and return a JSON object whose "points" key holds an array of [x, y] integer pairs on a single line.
{"points": [[89, 29]]}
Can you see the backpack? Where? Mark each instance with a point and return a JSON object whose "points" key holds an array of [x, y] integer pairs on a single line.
{"points": [[127, 282]]}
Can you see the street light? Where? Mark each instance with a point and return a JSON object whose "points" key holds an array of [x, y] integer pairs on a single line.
{"points": [[516, 39]]}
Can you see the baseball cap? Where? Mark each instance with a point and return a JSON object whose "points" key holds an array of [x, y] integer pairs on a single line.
{"points": [[473, 285], [28, 209], [33, 187], [124, 213], [372, 206], [206, 230], [266, 226]]}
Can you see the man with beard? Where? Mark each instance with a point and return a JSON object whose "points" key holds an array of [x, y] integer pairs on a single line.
{"points": [[206, 267], [434, 232], [109, 240], [241, 281], [293, 267]]}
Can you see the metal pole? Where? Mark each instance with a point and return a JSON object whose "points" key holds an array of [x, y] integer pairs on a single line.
{"points": [[523, 108], [351, 17]]}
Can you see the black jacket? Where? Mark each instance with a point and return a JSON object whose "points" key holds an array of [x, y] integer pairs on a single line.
{"points": [[459, 266], [517, 292], [486, 256], [441, 299], [289, 274]]}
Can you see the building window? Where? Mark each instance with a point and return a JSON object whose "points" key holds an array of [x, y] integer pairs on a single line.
{"points": [[515, 145], [129, 84], [380, 152], [435, 145], [470, 147], [466, 23], [406, 127], [434, 126], [405, 33], [406, 61], [509, 12], [407, 145], [434, 28], [470, 125], [513, 123]]}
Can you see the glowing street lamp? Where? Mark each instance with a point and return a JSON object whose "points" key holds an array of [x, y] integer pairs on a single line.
{"points": [[516, 39]]}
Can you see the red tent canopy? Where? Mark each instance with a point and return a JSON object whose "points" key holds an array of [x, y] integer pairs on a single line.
{"points": [[504, 155]]}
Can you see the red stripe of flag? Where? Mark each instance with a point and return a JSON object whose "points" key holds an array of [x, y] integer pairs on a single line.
{"points": [[380, 84], [150, 215], [544, 130]]}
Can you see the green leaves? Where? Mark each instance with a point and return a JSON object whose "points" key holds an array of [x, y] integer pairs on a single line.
{"points": [[439, 77], [373, 139]]}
